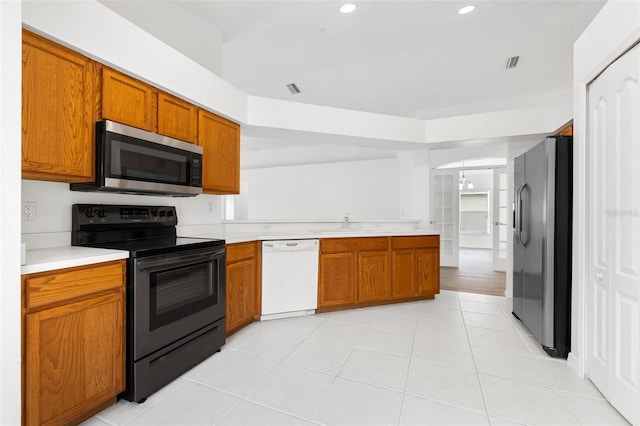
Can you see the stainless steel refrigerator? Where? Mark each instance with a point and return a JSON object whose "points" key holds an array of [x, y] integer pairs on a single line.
{"points": [[542, 243]]}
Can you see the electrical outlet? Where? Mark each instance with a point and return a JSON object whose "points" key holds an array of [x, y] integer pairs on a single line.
{"points": [[28, 211]]}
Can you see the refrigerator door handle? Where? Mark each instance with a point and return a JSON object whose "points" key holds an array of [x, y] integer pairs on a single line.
{"points": [[518, 214], [524, 224]]}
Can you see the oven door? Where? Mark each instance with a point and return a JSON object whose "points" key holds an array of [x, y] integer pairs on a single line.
{"points": [[174, 295]]}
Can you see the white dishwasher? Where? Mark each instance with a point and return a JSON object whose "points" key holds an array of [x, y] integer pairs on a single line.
{"points": [[289, 278]]}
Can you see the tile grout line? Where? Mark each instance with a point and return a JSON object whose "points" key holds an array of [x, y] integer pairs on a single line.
{"points": [[335, 377], [473, 357], [406, 382]]}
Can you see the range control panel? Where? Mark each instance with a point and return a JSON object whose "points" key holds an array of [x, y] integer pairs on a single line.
{"points": [[107, 214]]}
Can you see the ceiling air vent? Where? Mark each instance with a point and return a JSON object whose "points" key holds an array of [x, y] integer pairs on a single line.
{"points": [[293, 88], [512, 62]]}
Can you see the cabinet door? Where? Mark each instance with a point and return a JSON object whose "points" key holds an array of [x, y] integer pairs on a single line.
{"points": [[403, 270], [177, 118], [374, 282], [58, 95], [336, 284], [128, 101], [74, 358], [220, 140], [241, 293], [428, 271]]}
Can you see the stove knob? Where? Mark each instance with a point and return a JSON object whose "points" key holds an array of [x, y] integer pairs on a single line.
{"points": [[101, 213], [169, 213], [90, 213], [154, 212], [163, 213]]}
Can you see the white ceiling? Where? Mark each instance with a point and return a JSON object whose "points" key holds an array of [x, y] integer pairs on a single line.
{"points": [[414, 58], [408, 58]]}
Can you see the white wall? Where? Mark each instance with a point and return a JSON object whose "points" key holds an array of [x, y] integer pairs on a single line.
{"points": [[198, 39], [10, 136], [440, 157], [364, 189], [54, 200], [614, 30]]}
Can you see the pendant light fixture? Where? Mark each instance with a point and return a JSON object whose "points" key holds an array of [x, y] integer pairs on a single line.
{"points": [[464, 183]]}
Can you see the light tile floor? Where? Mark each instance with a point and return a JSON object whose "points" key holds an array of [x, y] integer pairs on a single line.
{"points": [[461, 359]]}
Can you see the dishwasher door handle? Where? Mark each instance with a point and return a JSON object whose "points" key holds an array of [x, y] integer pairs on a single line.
{"points": [[300, 245]]}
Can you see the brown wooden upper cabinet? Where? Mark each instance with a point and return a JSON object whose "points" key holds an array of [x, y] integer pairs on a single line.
{"points": [[177, 118], [220, 140], [58, 95], [129, 101], [64, 93]]}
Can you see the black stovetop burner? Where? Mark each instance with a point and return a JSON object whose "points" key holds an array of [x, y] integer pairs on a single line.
{"points": [[141, 230]]}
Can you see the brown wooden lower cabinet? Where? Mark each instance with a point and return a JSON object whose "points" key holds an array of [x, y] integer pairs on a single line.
{"points": [[374, 280], [415, 266], [337, 279], [243, 289], [371, 270], [73, 342]]}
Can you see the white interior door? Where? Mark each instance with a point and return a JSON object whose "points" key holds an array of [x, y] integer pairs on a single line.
{"points": [[613, 314], [444, 214], [500, 220]]}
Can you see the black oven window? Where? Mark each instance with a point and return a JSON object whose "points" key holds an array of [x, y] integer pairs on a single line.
{"points": [[179, 292]]}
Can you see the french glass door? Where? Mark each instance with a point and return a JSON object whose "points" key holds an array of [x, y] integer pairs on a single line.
{"points": [[500, 219], [444, 214]]}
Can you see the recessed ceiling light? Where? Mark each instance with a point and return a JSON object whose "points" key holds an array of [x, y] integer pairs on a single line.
{"points": [[466, 10], [347, 8]]}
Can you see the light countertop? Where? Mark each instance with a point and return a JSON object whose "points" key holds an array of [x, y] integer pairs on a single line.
{"points": [[49, 259], [241, 237]]}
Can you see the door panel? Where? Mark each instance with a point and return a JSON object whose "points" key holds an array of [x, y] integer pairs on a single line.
{"points": [[518, 250], [444, 216], [613, 322], [531, 238], [500, 219]]}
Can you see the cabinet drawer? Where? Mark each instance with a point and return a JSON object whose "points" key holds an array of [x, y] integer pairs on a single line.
{"points": [[240, 251], [48, 288], [421, 241], [353, 244]]}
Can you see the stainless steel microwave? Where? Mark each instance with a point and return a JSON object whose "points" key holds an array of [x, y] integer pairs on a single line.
{"points": [[130, 160]]}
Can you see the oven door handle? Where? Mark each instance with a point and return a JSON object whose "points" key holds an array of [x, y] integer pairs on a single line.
{"points": [[186, 258]]}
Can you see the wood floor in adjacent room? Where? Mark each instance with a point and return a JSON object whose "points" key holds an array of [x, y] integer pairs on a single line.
{"points": [[475, 274]]}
